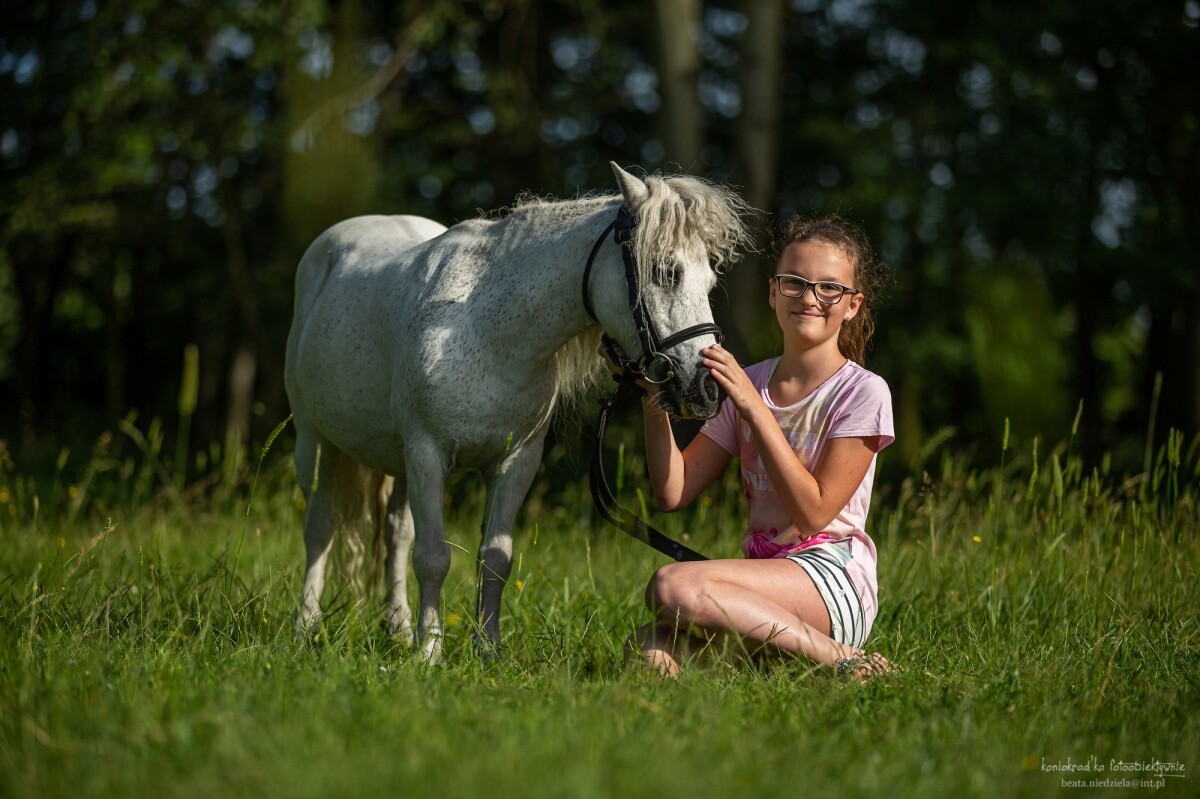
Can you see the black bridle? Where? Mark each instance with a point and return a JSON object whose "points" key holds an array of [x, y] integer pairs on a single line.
{"points": [[654, 365]]}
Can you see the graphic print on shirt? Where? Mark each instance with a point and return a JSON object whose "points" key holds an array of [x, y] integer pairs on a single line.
{"points": [[805, 425]]}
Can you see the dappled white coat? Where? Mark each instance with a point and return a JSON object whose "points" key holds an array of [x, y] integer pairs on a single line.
{"points": [[416, 350]]}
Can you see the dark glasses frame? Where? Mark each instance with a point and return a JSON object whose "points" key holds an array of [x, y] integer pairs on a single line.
{"points": [[810, 284]]}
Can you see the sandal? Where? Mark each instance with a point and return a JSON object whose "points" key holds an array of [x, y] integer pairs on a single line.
{"points": [[862, 668]]}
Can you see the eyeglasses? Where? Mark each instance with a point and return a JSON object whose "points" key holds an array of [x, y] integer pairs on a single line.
{"points": [[826, 292]]}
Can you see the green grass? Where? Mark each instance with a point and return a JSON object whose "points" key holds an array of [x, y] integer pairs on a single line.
{"points": [[1039, 614]]}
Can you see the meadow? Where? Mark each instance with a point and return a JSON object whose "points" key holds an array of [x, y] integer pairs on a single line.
{"points": [[1043, 611]]}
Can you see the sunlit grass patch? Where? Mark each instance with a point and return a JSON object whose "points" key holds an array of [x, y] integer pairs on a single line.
{"points": [[146, 648]]}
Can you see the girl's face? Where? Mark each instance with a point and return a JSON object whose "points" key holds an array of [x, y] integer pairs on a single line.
{"points": [[805, 321]]}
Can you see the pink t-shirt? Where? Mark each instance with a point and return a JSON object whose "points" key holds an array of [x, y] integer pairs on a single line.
{"points": [[852, 402]]}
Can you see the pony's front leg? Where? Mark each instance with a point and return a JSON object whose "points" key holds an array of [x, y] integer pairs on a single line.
{"points": [[426, 478], [505, 492]]}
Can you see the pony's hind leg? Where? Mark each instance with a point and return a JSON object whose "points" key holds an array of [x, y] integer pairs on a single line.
{"points": [[505, 493], [316, 462], [426, 483], [398, 534]]}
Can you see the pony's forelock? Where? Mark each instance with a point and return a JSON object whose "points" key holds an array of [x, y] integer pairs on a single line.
{"points": [[682, 213]]}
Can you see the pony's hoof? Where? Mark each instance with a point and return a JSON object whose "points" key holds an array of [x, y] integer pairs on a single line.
{"points": [[487, 649], [398, 628], [306, 627], [431, 650]]}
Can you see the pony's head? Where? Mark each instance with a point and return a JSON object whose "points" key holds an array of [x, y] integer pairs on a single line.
{"points": [[685, 231]]}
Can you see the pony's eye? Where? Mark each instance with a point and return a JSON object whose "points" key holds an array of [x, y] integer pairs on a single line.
{"points": [[668, 276]]}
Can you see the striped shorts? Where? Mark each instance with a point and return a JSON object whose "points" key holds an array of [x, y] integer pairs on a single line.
{"points": [[826, 565]]}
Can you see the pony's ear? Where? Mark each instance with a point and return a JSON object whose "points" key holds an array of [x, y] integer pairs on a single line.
{"points": [[632, 188]]}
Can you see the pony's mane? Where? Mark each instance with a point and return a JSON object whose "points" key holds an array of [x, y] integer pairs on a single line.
{"points": [[679, 213]]}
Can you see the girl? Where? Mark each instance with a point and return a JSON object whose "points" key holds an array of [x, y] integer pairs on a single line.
{"points": [[806, 426]]}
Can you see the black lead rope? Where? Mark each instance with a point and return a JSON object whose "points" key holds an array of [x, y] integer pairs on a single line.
{"points": [[602, 494]]}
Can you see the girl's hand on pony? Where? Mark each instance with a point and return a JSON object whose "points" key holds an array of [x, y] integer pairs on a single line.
{"points": [[732, 377]]}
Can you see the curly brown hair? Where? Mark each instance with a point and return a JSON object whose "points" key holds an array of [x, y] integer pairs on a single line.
{"points": [[870, 275]]}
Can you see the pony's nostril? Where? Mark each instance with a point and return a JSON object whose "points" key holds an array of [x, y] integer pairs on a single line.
{"points": [[703, 395]]}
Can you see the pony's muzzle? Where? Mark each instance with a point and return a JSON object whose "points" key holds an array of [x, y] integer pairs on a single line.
{"points": [[702, 398]]}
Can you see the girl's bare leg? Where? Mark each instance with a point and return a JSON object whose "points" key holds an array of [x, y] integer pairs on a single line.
{"points": [[769, 605]]}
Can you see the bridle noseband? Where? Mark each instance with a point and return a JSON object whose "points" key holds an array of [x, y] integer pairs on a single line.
{"points": [[655, 365]]}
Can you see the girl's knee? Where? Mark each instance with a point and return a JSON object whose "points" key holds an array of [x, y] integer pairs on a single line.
{"points": [[672, 590]]}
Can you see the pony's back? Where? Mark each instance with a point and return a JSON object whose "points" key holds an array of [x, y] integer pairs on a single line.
{"points": [[396, 233]]}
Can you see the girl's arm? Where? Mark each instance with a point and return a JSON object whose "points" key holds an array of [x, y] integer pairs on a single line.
{"points": [[812, 499], [678, 477]]}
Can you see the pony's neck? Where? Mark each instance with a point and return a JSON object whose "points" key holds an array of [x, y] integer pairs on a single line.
{"points": [[543, 297]]}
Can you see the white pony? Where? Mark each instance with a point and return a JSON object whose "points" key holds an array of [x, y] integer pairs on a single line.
{"points": [[416, 350]]}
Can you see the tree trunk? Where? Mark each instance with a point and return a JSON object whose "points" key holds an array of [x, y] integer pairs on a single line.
{"points": [[37, 289], [1189, 362], [1173, 346], [758, 125], [1088, 293], [115, 312], [241, 405], [678, 82], [1191, 415], [241, 280], [757, 162]]}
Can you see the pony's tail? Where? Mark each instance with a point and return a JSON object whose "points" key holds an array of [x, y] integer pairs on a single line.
{"points": [[361, 498]]}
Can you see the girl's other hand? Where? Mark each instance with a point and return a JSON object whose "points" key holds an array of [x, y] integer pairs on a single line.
{"points": [[613, 368], [649, 389]]}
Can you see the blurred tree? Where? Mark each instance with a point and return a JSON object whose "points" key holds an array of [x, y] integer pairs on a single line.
{"points": [[1007, 312], [757, 141], [678, 77], [130, 156], [165, 164], [965, 137]]}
